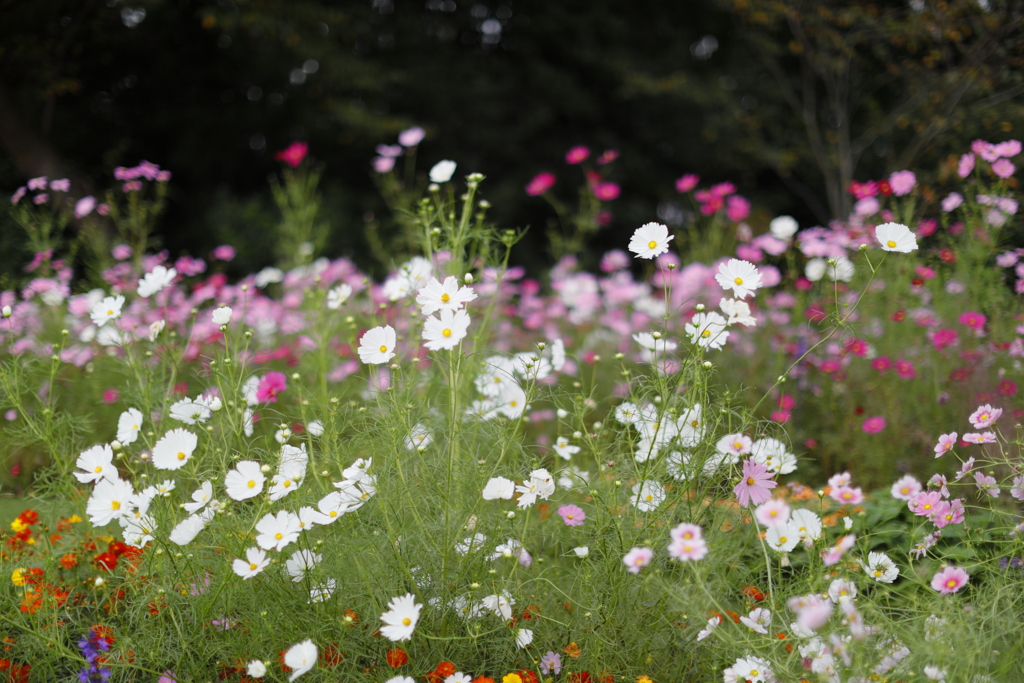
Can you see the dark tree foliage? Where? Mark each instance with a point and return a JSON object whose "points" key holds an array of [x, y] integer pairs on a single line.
{"points": [[789, 100]]}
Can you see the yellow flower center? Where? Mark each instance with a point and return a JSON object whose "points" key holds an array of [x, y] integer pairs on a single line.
{"points": [[135, 427], [252, 567], [446, 297], [694, 423], [927, 506], [750, 481], [115, 505], [951, 583], [181, 456], [98, 470], [984, 416], [446, 332], [878, 573], [287, 483], [782, 539], [279, 536], [251, 484], [569, 516], [513, 403], [383, 349], [649, 498], [738, 281], [652, 244], [891, 244], [406, 621], [706, 333], [110, 313], [334, 513]]}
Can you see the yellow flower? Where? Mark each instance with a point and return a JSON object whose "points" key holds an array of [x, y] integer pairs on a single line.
{"points": [[18, 577], [18, 525], [644, 679], [74, 519], [511, 678]]}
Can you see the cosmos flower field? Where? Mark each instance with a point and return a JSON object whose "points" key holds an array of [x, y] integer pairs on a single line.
{"points": [[738, 450]]}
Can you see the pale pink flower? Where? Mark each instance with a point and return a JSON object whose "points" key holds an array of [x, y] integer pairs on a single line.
{"points": [[980, 438], [836, 552], [1017, 492], [847, 495], [965, 166], [1003, 168], [694, 549], [905, 488], [947, 442], [686, 532], [949, 580], [985, 416], [755, 485], [638, 558], [986, 484], [772, 512], [924, 503], [902, 182]]}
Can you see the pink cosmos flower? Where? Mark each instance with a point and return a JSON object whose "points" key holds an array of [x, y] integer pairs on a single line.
{"points": [[980, 438], [952, 201], [902, 182], [985, 416], [840, 479], [942, 338], [905, 488], [836, 552], [965, 468], [1017, 491], [638, 558], [541, 183], [293, 154], [84, 206], [950, 580], [606, 192], [924, 503], [1003, 168], [684, 551], [608, 156], [110, 396], [847, 495], [383, 164], [411, 137], [737, 208], [572, 515], [947, 442], [939, 480], [965, 166], [905, 369], [687, 182], [686, 532], [945, 513], [224, 252], [873, 425], [772, 512], [755, 485], [986, 484], [270, 386], [577, 154], [973, 320], [882, 363]]}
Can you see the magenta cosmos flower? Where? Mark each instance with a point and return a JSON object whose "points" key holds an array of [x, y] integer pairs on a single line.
{"points": [[873, 425], [950, 580], [755, 485], [270, 386], [293, 154], [572, 515], [540, 184]]}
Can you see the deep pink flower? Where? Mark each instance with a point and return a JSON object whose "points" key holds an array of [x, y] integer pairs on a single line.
{"points": [[943, 337], [577, 154], [270, 386], [606, 191], [110, 396], [882, 363], [572, 515], [756, 484], [540, 184], [950, 580], [905, 369], [927, 227], [737, 208], [293, 154], [687, 182], [224, 252], [722, 189], [873, 425], [608, 156], [973, 320]]}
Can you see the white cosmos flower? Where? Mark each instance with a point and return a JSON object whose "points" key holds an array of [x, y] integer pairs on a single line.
{"points": [[221, 315], [257, 669], [337, 297], [840, 268], [881, 568], [106, 310], [708, 330], [447, 331], [783, 537], [581, 551], [783, 227], [435, 296], [419, 437], [138, 528], [496, 375], [255, 561], [442, 171], [190, 411], [524, 637], [277, 531], [200, 497], [499, 488], [742, 277], [315, 428], [896, 237], [660, 345], [245, 481], [500, 605], [155, 280], [300, 658], [713, 623], [807, 524], [301, 563], [557, 355], [565, 449], [288, 479], [109, 500], [128, 426], [650, 240], [186, 530], [814, 269], [174, 449], [322, 591], [758, 620], [648, 495], [737, 312], [377, 346], [97, 463], [331, 507], [401, 617], [773, 454]]}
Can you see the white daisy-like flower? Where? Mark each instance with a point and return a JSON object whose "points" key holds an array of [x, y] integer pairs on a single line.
{"points": [[708, 330], [752, 670], [277, 531], [174, 449], [110, 499], [557, 355], [221, 315], [337, 297], [713, 623], [138, 528], [806, 523], [200, 497], [758, 620], [301, 563], [377, 346], [155, 280], [245, 481], [841, 589], [783, 537], [128, 426], [322, 592], [742, 277], [315, 428], [187, 530], [524, 637], [255, 561], [447, 331], [331, 507], [499, 605], [418, 438], [190, 411], [880, 567], [470, 544], [300, 658], [287, 479], [106, 310], [783, 227], [896, 237], [648, 495], [97, 463], [565, 449], [435, 296], [499, 488], [841, 269], [737, 312], [650, 240], [401, 617], [256, 669], [657, 344], [442, 171]]}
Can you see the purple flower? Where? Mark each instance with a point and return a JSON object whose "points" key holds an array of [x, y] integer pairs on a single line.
{"points": [[551, 663]]}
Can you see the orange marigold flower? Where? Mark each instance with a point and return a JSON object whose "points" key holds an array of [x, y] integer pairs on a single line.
{"points": [[483, 679], [331, 656], [69, 560], [753, 593], [573, 650], [397, 657], [527, 676], [732, 615]]}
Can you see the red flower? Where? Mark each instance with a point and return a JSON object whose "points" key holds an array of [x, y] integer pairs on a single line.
{"points": [[581, 677], [331, 656], [397, 657], [753, 593]]}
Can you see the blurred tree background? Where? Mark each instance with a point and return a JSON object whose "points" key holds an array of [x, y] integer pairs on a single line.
{"points": [[788, 99]]}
